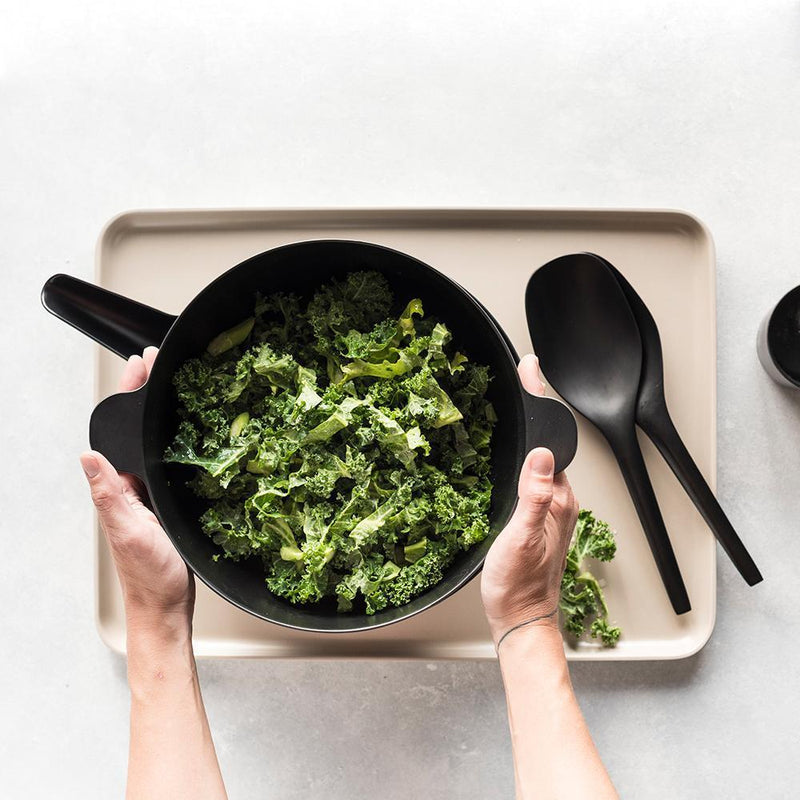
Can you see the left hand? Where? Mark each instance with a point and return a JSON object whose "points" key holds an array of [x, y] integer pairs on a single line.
{"points": [[154, 578]]}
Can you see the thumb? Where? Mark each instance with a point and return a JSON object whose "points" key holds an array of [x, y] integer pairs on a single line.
{"points": [[107, 489], [535, 489]]}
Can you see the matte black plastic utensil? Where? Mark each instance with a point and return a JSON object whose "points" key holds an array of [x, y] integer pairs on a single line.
{"points": [[588, 344], [654, 419]]}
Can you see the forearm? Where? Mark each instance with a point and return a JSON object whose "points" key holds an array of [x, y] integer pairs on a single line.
{"points": [[171, 752], [554, 756]]}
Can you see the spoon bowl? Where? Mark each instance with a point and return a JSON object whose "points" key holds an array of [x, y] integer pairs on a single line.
{"points": [[586, 338]]}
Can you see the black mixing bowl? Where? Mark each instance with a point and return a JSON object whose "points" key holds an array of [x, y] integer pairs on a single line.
{"points": [[132, 429]]}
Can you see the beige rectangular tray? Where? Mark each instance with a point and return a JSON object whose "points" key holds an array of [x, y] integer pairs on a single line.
{"points": [[164, 257]]}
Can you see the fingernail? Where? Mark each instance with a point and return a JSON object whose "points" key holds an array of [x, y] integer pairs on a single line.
{"points": [[91, 466], [541, 462], [133, 359]]}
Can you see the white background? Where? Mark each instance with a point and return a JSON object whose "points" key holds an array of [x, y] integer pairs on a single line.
{"points": [[110, 106]]}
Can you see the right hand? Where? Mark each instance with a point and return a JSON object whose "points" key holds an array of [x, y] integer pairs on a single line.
{"points": [[521, 577], [154, 578]]}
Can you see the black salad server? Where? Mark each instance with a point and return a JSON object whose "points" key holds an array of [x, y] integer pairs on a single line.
{"points": [[653, 417], [590, 349], [132, 429]]}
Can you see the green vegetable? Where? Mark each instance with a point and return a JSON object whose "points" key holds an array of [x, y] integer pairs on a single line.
{"points": [[346, 447], [230, 338], [582, 597], [414, 552], [238, 425]]}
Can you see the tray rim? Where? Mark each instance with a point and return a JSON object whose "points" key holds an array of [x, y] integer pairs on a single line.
{"points": [[429, 217], [191, 218]]}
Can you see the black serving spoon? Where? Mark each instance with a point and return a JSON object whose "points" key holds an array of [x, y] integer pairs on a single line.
{"points": [[654, 419], [588, 343]]}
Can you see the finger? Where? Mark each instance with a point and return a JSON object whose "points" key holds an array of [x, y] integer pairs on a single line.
{"points": [[133, 375], [565, 505], [108, 495], [535, 489], [562, 482], [149, 357], [530, 374], [134, 489]]}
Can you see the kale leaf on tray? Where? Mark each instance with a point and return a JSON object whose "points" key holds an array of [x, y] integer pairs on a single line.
{"points": [[346, 446], [582, 597]]}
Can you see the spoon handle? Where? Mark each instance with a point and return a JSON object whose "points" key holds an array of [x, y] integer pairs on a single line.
{"points": [[631, 463], [661, 430]]}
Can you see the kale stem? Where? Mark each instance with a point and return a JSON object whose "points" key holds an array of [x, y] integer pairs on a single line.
{"points": [[590, 580]]}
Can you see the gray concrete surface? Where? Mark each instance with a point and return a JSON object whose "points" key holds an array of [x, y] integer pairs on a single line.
{"points": [[110, 106]]}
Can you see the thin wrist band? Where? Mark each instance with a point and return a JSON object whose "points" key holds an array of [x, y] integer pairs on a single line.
{"points": [[522, 625]]}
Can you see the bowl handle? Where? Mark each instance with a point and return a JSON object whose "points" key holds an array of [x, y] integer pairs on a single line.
{"points": [[550, 423], [115, 430], [122, 325]]}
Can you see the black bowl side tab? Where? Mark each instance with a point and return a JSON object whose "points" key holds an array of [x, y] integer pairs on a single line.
{"points": [[115, 430], [550, 424]]}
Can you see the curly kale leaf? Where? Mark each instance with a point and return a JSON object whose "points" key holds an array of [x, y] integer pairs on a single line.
{"points": [[582, 600], [356, 303], [347, 448]]}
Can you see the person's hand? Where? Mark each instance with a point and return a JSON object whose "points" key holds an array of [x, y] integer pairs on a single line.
{"points": [[521, 577], [156, 583]]}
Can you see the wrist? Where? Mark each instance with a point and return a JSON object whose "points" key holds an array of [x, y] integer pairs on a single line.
{"points": [[160, 655], [542, 614], [532, 662], [154, 619], [157, 631], [539, 640]]}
